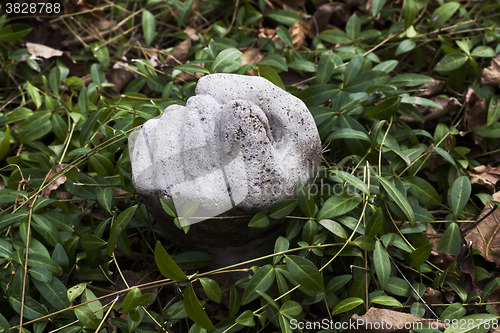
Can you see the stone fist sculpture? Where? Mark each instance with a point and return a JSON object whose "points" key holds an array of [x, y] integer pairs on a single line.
{"points": [[238, 147]]}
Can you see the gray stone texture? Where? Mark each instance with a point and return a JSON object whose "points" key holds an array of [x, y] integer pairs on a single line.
{"points": [[238, 147]]}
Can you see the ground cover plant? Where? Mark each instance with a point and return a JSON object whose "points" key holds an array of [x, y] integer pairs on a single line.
{"points": [[405, 97]]}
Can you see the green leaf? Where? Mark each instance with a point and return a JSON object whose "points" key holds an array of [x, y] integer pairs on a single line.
{"points": [[101, 165], [364, 243], [192, 68], [106, 198], [212, 289], [34, 94], [283, 208], [287, 17], [444, 154], [410, 80], [450, 241], [483, 52], [306, 201], [338, 205], [303, 65], [132, 299], [398, 198], [409, 12], [334, 227], [493, 112], [451, 62], [167, 266], [194, 309], [5, 143], [260, 220], [492, 131], [418, 256], [274, 60], [326, 66], [334, 36], [119, 225], [246, 319], [405, 46], [291, 308], [88, 126], [284, 35], [305, 272], [462, 293], [282, 244], [453, 311], [382, 264], [487, 291], [353, 26], [375, 223], [348, 133], [387, 301], [55, 79], [261, 281], [148, 26], [75, 291], [337, 282], [87, 317], [377, 6], [31, 310], [168, 207], [234, 301], [352, 68], [422, 190], [14, 32], [459, 195], [35, 121], [225, 58], [347, 304], [398, 287], [353, 180], [385, 109], [443, 13], [270, 74], [366, 80]]}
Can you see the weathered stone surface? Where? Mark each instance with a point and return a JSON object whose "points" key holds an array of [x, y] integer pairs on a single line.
{"points": [[238, 147]]}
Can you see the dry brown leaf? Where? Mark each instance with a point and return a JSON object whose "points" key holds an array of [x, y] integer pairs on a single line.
{"points": [[432, 296], [430, 89], [476, 112], [298, 31], [485, 235], [491, 75], [268, 33], [467, 269], [178, 55], [120, 77], [251, 55], [57, 182], [39, 50], [385, 321], [294, 3], [191, 32], [319, 21], [485, 175]]}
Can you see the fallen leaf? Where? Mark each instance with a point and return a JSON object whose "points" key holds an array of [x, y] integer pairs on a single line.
{"points": [[298, 31], [431, 112], [39, 50], [476, 115], [268, 33], [432, 296], [120, 77], [251, 55], [319, 21], [294, 3], [433, 236], [430, 89], [485, 235], [485, 175], [377, 320], [179, 53], [467, 269], [57, 182], [192, 34], [491, 75]]}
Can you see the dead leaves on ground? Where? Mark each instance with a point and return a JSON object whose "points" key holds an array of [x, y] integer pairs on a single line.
{"points": [[491, 75]]}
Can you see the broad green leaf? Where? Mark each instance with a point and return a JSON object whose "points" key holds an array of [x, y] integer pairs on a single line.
{"points": [[410, 80], [453, 311], [334, 227], [83, 101], [444, 154], [14, 32], [303, 65], [375, 223], [409, 12], [398, 287], [194, 309], [483, 52], [492, 132], [225, 58], [382, 264], [105, 198], [119, 225], [283, 208], [260, 220], [212, 289], [287, 17], [353, 180], [38, 259], [305, 272], [364, 243], [422, 190], [398, 197], [488, 290], [443, 13], [168, 207], [132, 299], [75, 291], [88, 126], [366, 80], [334, 36], [338, 205], [419, 101], [192, 68], [418, 256], [101, 165], [148, 26], [385, 109], [55, 79], [306, 201], [234, 301], [377, 6], [5, 143], [167, 266], [284, 35], [348, 133], [405, 46], [275, 60], [246, 319], [35, 121], [386, 66], [460, 194], [261, 281], [87, 317], [34, 94], [387, 301], [451, 62], [493, 112], [352, 68], [318, 94], [31, 310], [282, 244], [353, 26], [291, 308], [326, 65], [270, 74], [461, 291], [347, 304], [337, 282], [450, 241]]}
